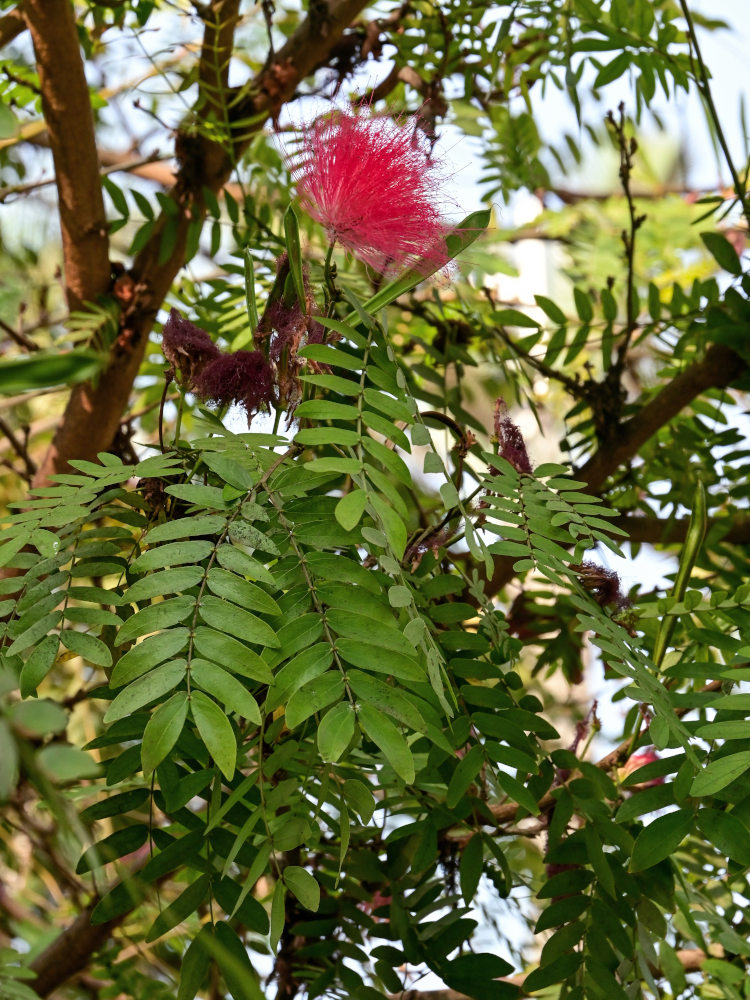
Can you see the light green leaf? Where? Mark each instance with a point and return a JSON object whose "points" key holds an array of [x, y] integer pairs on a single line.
{"points": [[464, 774], [186, 904], [234, 559], [660, 838], [303, 885], [215, 731], [350, 508], [335, 732], [186, 527], [233, 588], [232, 654], [172, 554], [148, 653], [87, 646], [387, 698], [235, 621], [38, 665], [324, 409], [145, 689], [719, 773], [168, 581], [44, 369], [399, 597], [225, 688], [723, 252], [155, 617], [312, 697]]}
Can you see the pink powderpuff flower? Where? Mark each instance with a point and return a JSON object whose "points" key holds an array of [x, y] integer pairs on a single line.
{"points": [[371, 183]]}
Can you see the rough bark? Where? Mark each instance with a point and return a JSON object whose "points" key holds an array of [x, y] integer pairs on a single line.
{"points": [[67, 112], [93, 413]]}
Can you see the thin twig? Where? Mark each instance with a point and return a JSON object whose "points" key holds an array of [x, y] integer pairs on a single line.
{"points": [[18, 336], [19, 448], [124, 167], [705, 89], [627, 148]]}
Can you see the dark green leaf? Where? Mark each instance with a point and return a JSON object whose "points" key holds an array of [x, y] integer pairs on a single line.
{"points": [[723, 252], [659, 839], [184, 906]]}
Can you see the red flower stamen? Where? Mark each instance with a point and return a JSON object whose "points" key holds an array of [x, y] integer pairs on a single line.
{"points": [[372, 184]]}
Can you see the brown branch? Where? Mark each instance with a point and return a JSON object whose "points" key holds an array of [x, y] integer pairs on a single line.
{"points": [[11, 26], [147, 167], [18, 337], [19, 448], [71, 951], [67, 113], [569, 197], [719, 367], [653, 530], [93, 413]]}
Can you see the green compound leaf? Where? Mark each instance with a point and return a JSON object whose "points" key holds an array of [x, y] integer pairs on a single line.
{"points": [[162, 732], [146, 689], [659, 839], [388, 739], [216, 732], [350, 508], [335, 732], [303, 885], [225, 688]]}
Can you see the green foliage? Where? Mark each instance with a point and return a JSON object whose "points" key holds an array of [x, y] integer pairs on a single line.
{"points": [[293, 703]]}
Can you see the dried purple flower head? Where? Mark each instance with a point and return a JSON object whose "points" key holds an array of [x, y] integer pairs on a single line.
{"points": [[603, 583], [284, 328], [245, 377], [187, 348], [510, 440]]}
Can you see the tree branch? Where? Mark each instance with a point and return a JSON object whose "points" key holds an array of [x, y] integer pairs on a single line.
{"points": [[70, 951], [655, 531], [93, 413], [11, 26], [719, 367], [67, 113]]}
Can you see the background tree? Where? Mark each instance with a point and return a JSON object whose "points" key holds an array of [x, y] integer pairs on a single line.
{"points": [[305, 709]]}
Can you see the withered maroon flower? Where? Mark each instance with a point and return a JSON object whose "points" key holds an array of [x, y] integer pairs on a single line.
{"points": [[603, 583], [244, 377], [373, 185], [187, 348], [511, 444]]}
